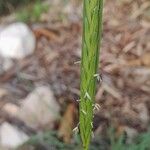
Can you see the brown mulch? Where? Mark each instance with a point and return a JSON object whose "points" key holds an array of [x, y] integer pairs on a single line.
{"points": [[124, 94]]}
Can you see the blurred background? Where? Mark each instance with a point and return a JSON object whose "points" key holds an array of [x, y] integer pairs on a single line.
{"points": [[40, 41]]}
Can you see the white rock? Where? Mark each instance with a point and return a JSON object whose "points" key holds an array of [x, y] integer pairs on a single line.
{"points": [[17, 41], [11, 137], [3, 148], [39, 109]]}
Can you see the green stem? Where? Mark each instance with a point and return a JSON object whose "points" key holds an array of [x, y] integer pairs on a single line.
{"points": [[92, 30]]}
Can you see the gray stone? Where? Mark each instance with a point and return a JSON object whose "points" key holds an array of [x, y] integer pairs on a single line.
{"points": [[39, 109], [16, 41], [11, 137]]}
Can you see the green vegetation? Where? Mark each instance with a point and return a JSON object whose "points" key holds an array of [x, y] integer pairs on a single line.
{"points": [[26, 10], [92, 30], [50, 141], [32, 13], [142, 142]]}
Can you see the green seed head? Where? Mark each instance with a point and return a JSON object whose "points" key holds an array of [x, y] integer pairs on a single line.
{"points": [[92, 28]]}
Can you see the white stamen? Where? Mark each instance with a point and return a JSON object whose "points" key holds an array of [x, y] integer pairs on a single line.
{"points": [[84, 112], [98, 77], [77, 62], [95, 75], [76, 129], [87, 96], [97, 107], [78, 100]]}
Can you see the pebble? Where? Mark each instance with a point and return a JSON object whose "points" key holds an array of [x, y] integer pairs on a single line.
{"points": [[16, 41], [11, 137], [39, 109]]}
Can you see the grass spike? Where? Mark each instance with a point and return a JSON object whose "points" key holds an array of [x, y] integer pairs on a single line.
{"points": [[92, 30]]}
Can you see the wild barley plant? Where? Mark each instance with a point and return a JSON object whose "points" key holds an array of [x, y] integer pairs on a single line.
{"points": [[92, 30]]}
